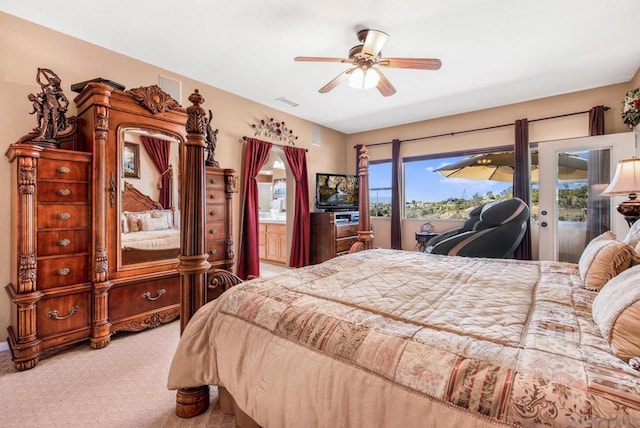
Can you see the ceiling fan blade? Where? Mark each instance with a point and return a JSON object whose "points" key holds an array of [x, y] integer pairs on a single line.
{"points": [[384, 86], [418, 63], [374, 42], [320, 59], [336, 81]]}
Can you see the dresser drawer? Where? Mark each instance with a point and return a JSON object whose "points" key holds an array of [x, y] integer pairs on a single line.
{"points": [[345, 244], [62, 192], [62, 314], [62, 216], [214, 213], [214, 195], [59, 242], [216, 250], [63, 170], [126, 300], [214, 182], [215, 230], [60, 271], [344, 230]]}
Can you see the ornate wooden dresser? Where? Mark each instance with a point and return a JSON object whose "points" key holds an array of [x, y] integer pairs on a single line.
{"points": [[71, 281]]}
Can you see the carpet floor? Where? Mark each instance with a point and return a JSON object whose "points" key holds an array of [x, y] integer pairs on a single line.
{"points": [[122, 385]]}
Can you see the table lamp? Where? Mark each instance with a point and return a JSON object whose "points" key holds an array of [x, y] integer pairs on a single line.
{"points": [[626, 181]]}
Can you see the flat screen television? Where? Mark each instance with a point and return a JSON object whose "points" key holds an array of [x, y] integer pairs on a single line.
{"points": [[337, 192]]}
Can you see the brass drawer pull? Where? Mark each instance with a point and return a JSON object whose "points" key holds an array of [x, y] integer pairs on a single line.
{"points": [[64, 216], [64, 192], [54, 314], [212, 196], [64, 242], [147, 294], [64, 271], [213, 231], [213, 251], [214, 181], [63, 170], [213, 212]]}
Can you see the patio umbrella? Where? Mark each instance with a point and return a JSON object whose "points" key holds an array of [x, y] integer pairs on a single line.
{"points": [[499, 167]]}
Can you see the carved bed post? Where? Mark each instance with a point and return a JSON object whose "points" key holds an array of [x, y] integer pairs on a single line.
{"points": [[365, 234], [193, 264]]}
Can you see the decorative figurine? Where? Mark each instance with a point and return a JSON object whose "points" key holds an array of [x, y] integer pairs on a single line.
{"points": [[50, 107], [212, 141]]}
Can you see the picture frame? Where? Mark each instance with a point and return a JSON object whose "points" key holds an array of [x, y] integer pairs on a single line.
{"points": [[279, 187], [131, 160]]}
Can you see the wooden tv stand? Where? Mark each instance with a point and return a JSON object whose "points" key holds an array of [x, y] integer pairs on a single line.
{"points": [[332, 234]]}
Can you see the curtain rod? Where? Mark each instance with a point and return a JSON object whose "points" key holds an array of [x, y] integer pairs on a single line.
{"points": [[275, 144], [451, 134]]}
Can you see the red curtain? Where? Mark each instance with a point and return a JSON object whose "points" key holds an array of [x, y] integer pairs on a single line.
{"points": [[522, 181], [396, 184], [256, 154], [297, 159], [158, 151]]}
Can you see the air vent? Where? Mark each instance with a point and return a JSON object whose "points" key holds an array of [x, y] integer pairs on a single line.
{"points": [[172, 87], [287, 101]]}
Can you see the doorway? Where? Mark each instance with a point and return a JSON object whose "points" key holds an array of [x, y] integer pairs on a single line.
{"points": [[274, 215], [561, 218]]}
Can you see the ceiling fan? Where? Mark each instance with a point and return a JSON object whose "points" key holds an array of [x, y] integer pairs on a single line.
{"points": [[366, 57]]}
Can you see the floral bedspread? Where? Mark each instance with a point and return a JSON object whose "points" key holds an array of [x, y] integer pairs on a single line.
{"points": [[506, 341]]}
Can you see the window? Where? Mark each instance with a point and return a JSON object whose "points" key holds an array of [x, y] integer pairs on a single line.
{"points": [[434, 191], [380, 188], [431, 191]]}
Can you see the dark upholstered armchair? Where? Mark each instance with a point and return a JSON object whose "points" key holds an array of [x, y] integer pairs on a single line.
{"points": [[495, 234]]}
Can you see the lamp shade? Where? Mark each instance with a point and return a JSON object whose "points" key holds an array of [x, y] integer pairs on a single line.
{"points": [[363, 78], [626, 179]]}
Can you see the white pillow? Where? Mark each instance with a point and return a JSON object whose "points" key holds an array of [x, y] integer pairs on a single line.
{"points": [[167, 215], [633, 236], [150, 223], [124, 223]]}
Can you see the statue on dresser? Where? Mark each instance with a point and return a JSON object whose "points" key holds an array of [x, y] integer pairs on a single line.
{"points": [[50, 107], [212, 140]]}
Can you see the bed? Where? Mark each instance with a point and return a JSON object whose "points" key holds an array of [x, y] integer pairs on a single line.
{"points": [[393, 338], [149, 232]]}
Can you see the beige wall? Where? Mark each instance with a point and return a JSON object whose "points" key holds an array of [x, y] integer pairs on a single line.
{"points": [[553, 129], [26, 46]]}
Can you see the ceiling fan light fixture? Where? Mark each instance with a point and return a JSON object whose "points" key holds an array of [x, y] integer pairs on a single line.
{"points": [[363, 78]]}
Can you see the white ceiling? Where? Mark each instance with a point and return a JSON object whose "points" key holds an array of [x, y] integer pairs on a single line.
{"points": [[493, 52]]}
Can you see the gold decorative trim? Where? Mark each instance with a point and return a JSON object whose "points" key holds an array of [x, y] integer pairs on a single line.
{"points": [[154, 98], [275, 130]]}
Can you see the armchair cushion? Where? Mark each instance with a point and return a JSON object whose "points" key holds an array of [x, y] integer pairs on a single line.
{"points": [[497, 235]]}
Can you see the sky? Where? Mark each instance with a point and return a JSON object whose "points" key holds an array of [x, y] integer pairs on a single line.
{"points": [[423, 183]]}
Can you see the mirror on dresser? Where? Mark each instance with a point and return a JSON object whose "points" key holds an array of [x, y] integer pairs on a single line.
{"points": [[149, 228]]}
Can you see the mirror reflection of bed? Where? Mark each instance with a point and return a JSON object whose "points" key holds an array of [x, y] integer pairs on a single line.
{"points": [[149, 217], [149, 232]]}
